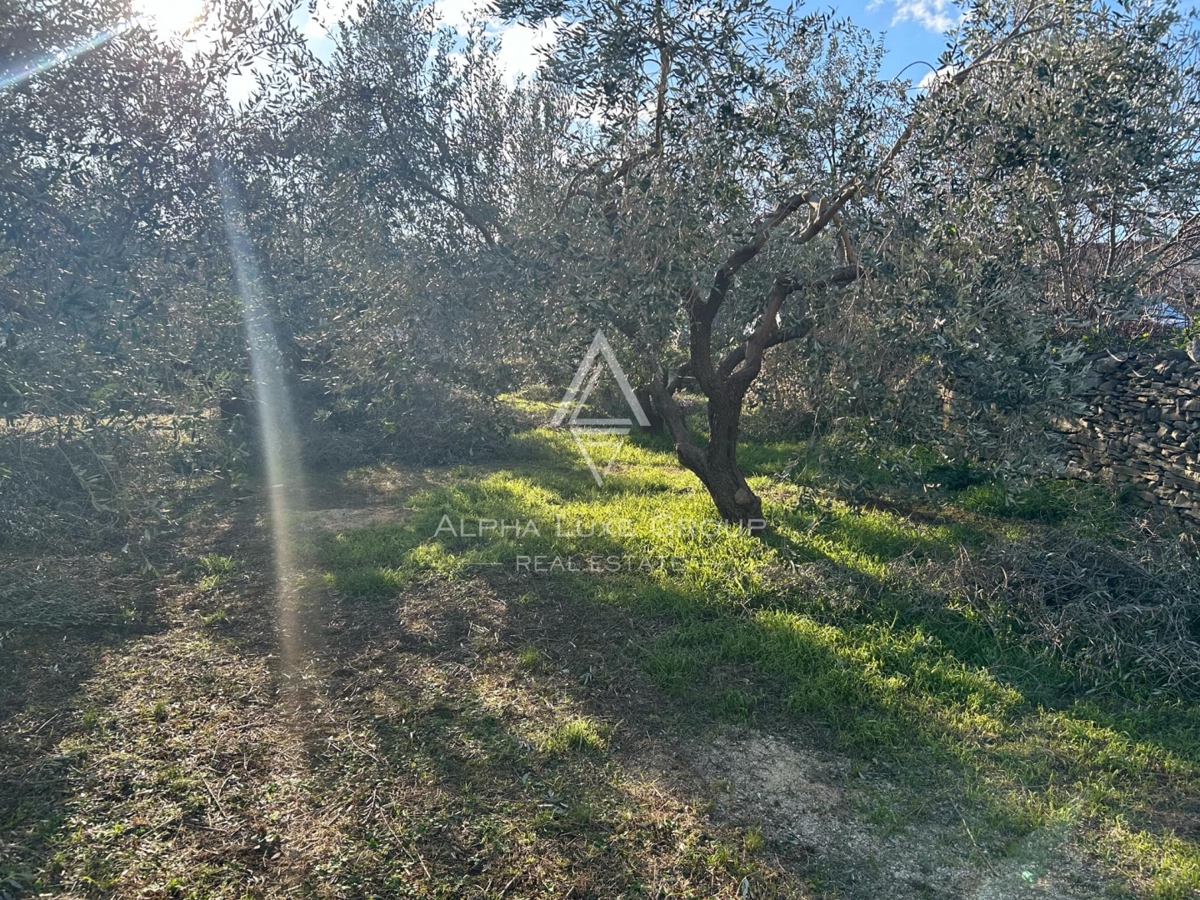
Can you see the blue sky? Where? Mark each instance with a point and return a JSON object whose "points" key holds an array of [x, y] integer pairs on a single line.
{"points": [[913, 29]]}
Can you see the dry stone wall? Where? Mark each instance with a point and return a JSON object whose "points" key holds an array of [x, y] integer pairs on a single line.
{"points": [[1141, 428]]}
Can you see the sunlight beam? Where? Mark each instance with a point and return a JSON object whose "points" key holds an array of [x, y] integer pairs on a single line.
{"points": [[44, 62], [280, 444]]}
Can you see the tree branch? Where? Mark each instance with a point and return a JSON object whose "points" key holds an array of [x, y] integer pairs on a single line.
{"points": [[827, 210], [469, 215], [767, 334], [702, 312], [668, 407], [781, 336], [676, 380], [605, 181]]}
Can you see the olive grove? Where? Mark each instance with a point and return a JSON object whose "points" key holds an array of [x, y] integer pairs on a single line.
{"points": [[736, 193]]}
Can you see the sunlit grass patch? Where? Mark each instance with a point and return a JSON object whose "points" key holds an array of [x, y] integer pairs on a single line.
{"points": [[670, 534], [371, 546], [529, 657], [216, 617], [865, 540], [368, 583], [578, 735], [534, 408], [215, 570], [753, 840], [544, 445], [1167, 867], [215, 564]]}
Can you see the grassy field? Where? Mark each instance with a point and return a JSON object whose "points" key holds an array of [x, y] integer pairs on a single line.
{"points": [[504, 681]]}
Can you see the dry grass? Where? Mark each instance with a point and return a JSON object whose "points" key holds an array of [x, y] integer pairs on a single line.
{"points": [[1108, 613], [418, 753]]}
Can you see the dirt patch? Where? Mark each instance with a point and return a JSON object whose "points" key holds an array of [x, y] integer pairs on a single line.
{"points": [[800, 792], [806, 803], [349, 518]]}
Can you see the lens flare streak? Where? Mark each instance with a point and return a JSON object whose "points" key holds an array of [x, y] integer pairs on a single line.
{"points": [[12, 77], [284, 470]]}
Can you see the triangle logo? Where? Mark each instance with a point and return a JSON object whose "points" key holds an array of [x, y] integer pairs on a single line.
{"points": [[605, 436]]}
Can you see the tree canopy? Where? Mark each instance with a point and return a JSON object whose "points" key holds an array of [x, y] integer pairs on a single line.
{"points": [[732, 191]]}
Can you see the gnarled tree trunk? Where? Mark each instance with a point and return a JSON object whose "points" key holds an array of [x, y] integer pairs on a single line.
{"points": [[715, 464], [720, 472], [726, 382]]}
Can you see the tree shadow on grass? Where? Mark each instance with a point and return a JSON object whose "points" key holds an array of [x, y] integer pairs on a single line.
{"points": [[412, 745], [898, 672], [496, 774], [484, 731], [902, 678], [57, 650], [41, 670]]}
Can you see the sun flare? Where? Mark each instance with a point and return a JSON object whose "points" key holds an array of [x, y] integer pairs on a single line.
{"points": [[169, 17]]}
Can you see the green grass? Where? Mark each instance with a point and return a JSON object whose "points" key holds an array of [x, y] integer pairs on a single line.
{"points": [[580, 735], [1050, 502], [216, 571], [831, 619]]}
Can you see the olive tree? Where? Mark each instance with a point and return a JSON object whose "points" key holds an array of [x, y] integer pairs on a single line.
{"points": [[729, 161], [382, 199], [739, 173]]}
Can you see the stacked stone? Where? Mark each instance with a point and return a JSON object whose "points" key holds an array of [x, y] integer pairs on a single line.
{"points": [[1141, 428]]}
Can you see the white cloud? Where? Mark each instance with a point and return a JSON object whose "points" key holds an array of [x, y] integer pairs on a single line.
{"points": [[518, 43], [936, 77], [458, 14], [519, 46], [936, 15]]}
